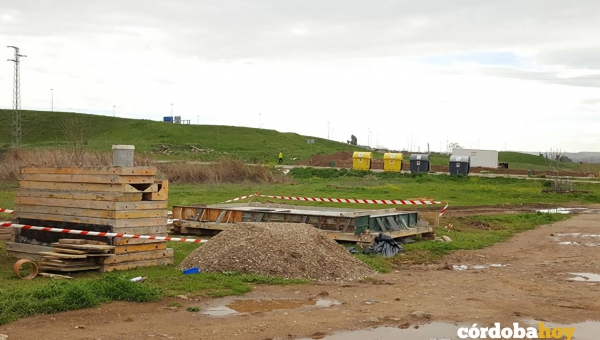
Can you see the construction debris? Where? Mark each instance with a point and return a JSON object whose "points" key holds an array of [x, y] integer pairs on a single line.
{"points": [[289, 250]]}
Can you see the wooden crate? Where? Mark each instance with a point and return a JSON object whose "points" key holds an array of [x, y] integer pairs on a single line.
{"points": [[107, 199]]}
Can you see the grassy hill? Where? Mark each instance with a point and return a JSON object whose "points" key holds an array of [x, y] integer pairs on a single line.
{"points": [[43, 129]]}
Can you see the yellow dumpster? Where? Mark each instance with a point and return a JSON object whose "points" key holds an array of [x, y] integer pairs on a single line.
{"points": [[361, 160], [392, 162]]}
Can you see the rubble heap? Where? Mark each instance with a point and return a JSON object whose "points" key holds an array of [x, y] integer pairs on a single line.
{"points": [[289, 250]]}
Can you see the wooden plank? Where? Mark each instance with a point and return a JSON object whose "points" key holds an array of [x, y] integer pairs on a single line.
{"points": [[75, 195], [136, 264], [6, 237], [71, 241], [139, 256], [106, 179], [83, 212], [64, 264], [93, 247], [115, 223], [202, 225], [121, 241], [125, 188], [21, 255], [70, 251], [162, 194], [91, 170], [132, 248], [69, 269], [91, 204], [26, 248], [62, 255], [160, 230]]}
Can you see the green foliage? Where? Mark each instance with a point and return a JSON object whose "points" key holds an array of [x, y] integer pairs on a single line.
{"points": [[57, 296], [471, 235], [376, 262], [193, 309], [42, 129]]}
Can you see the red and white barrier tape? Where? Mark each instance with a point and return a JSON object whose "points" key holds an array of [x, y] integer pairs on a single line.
{"points": [[339, 200], [444, 210], [99, 233], [241, 198]]}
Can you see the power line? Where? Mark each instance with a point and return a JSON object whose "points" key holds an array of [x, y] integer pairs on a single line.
{"points": [[16, 122]]}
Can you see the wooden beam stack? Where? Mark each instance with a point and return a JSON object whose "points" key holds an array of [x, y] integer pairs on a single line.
{"points": [[110, 199]]}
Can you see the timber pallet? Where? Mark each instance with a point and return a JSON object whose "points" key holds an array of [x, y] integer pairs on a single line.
{"points": [[128, 200]]}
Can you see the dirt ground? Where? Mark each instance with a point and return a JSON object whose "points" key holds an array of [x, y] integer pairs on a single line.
{"points": [[532, 283]]}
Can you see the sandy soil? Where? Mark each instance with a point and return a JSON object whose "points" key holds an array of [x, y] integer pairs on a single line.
{"points": [[533, 284]]}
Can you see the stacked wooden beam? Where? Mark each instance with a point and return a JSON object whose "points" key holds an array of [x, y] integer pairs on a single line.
{"points": [[6, 234], [70, 255], [110, 199]]}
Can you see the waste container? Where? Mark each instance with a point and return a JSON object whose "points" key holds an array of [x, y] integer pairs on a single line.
{"points": [[392, 162], [332, 164], [419, 163], [460, 165], [528, 173], [361, 160]]}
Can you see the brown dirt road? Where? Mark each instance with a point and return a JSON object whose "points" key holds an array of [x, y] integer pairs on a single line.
{"points": [[533, 285]]}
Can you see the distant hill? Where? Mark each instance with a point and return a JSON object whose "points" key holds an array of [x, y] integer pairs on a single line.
{"points": [[43, 129]]}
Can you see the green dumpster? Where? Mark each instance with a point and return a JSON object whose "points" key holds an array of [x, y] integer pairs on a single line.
{"points": [[528, 173], [332, 164]]}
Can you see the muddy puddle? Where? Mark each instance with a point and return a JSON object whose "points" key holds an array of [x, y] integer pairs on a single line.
{"points": [[563, 210], [585, 277], [589, 240], [266, 305], [478, 266], [446, 331]]}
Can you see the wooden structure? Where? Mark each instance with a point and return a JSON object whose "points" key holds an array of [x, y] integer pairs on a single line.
{"points": [[107, 199], [346, 225]]}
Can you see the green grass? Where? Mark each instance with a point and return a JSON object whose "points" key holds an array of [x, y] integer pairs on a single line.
{"points": [[476, 232], [19, 298], [42, 129], [459, 191]]}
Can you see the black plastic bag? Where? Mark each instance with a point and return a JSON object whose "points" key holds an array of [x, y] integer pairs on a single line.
{"points": [[384, 246]]}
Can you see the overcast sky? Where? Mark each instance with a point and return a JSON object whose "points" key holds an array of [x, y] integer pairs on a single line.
{"points": [[510, 74]]}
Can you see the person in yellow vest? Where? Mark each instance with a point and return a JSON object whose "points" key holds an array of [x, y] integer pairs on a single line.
{"points": [[280, 158]]}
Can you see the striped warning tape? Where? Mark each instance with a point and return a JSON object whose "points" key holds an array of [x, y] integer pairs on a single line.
{"points": [[444, 210], [242, 198], [338, 200], [98, 233]]}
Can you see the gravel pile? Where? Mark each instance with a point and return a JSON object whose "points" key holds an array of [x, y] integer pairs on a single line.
{"points": [[289, 250]]}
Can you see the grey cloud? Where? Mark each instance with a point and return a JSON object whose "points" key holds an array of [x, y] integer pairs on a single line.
{"points": [[545, 77], [583, 57], [237, 29]]}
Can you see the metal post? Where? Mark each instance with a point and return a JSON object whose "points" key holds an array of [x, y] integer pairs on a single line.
{"points": [[16, 123]]}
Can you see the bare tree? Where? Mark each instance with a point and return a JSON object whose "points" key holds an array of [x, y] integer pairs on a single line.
{"points": [[554, 159], [77, 132]]}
